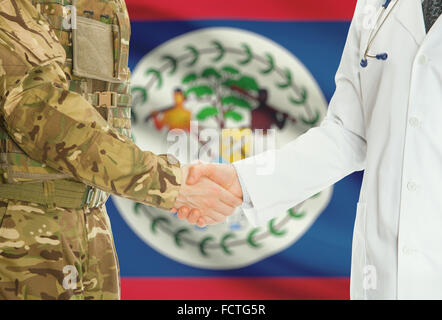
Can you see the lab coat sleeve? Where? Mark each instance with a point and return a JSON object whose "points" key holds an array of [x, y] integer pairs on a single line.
{"points": [[321, 156]]}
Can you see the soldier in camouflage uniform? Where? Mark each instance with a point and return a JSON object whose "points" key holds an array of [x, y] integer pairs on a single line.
{"points": [[64, 137]]}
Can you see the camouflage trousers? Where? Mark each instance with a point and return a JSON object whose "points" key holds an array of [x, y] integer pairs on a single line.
{"points": [[56, 253]]}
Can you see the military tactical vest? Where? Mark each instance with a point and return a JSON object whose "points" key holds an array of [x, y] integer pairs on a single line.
{"points": [[96, 42]]}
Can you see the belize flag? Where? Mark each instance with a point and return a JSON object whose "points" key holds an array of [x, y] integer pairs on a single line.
{"points": [[244, 64]]}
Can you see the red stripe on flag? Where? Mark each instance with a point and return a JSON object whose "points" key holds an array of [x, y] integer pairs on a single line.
{"points": [[235, 288], [322, 10]]}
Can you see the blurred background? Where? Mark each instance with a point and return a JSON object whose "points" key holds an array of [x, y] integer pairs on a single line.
{"points": [[235, 64]]}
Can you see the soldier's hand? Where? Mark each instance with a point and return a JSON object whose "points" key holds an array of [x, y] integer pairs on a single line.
{"points": [[209, 194], [223, 183]]}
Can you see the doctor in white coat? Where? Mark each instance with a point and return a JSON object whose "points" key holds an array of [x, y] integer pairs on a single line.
{"points": [[385, 118]]}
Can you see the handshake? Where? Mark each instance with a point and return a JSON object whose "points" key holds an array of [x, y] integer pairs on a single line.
{"points": [[209, 193]]}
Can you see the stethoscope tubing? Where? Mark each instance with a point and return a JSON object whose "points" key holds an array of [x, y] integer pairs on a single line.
{"points": [[380, 21]]}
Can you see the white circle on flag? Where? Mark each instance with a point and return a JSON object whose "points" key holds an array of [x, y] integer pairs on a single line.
{"points": [[221, 73]]}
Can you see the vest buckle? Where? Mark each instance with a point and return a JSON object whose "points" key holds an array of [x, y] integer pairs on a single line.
{"points": [[107, 99]]}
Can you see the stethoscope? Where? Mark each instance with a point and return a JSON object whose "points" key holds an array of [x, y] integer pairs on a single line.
{"points": [[382, 17]]}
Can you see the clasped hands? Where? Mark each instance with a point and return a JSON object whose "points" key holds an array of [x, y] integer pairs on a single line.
{"points": [[209, 193]]}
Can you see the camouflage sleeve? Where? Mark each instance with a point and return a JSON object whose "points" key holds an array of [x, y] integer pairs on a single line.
{"points": [[60, 128]]}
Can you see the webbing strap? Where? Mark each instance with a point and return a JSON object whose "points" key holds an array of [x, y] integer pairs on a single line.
{"points": [[123, 100], [53, 193], [58, 23], [60, 2]]}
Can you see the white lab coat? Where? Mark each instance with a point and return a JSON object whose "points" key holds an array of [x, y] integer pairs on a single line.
{"points": [[386, 119]]}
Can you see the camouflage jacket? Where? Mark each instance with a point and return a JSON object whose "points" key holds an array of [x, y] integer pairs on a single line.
{"points": [[52, 122]]}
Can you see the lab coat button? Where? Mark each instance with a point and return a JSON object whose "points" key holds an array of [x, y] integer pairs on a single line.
{"points": [[411, 186], [414, 122]]}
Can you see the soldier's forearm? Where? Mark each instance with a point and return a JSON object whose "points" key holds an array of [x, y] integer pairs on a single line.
{"points": [[59, 128]]}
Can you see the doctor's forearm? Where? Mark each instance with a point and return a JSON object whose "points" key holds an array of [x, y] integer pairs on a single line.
{"points": [[304, 167]]}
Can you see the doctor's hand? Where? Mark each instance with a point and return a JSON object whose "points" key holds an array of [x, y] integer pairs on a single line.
{"points": [[202, 201], [224, 175]]}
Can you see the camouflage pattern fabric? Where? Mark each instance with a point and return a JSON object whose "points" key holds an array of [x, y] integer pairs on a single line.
{"points": [[58, 127], [56, 253], [51, 130]]}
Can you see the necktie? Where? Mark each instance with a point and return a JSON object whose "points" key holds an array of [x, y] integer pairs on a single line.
{"points": [[432, 10]]}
